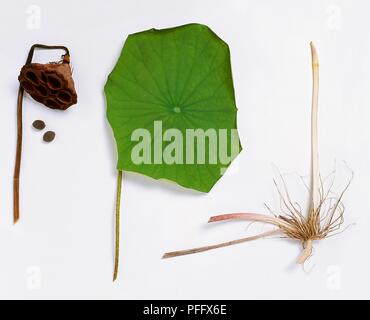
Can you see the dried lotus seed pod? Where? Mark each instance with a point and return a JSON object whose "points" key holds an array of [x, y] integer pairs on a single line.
{"points": [[50, 84]]}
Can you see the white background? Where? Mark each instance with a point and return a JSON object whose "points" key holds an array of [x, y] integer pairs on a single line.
{"points": [[63, 245]]}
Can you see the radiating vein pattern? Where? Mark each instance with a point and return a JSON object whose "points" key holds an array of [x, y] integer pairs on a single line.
{"points": [[182, 78]]}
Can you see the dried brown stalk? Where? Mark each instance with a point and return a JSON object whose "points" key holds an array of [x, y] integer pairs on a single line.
{"points": [[325, 212], [18, 158]]}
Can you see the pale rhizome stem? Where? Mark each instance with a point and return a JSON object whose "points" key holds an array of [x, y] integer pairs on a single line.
{"points": [[315, 199], [315, 171]]}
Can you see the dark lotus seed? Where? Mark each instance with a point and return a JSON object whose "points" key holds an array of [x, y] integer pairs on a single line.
{"points": [[49, 136], [38, 124]]}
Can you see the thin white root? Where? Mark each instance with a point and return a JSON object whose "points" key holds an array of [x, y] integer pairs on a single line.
{"points": [[307, 252]]}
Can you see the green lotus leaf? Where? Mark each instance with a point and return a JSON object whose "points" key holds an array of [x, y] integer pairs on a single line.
{"points": [[175, 85]]}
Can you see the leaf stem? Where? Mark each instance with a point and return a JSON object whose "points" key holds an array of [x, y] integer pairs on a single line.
{"points": [[18, 156], [118, 210]]}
